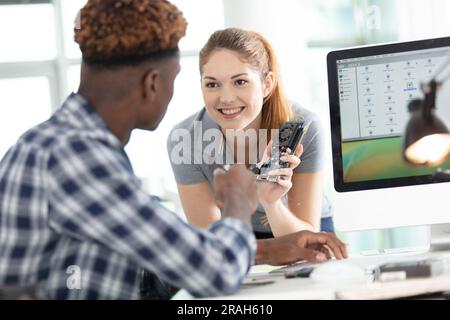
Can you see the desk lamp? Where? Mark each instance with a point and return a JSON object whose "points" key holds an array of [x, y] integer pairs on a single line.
{"points": [[427, 138]]}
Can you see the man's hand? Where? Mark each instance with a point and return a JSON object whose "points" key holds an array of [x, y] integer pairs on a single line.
{"points": [[302, 245], [236, 192]]}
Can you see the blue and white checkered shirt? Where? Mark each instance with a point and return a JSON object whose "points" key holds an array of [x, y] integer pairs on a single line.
{"points": [[76, 222]]}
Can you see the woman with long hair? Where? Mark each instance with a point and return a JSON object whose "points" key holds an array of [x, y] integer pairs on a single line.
{"points": [[242, 91]]}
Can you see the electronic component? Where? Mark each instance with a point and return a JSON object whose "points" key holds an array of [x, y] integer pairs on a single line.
{"points": [[393, 271], [290, 136]]}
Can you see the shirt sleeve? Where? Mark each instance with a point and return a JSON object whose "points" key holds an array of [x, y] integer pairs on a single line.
{"points": [[312, 159], [94, 196]]}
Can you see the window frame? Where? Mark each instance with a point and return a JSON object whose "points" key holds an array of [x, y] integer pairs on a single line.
{"points": [[56, 70], [21, 2]]}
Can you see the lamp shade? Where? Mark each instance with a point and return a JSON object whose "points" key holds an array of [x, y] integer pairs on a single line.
{"points": [[427, 140]]}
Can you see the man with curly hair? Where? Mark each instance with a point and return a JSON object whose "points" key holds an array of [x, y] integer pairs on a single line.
{"points": [[75, 222]]}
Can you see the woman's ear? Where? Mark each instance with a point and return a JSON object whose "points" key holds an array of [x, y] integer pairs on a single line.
{"points": [[268, 84]]}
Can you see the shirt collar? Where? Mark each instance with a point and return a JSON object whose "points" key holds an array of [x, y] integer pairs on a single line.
{"points": [[80, 114]]}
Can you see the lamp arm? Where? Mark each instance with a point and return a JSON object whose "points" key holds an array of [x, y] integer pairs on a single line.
{"points": [[430, 98], [432, 86]]}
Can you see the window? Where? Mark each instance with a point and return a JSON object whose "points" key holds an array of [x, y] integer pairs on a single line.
{"points": [[27, 32], [70, 11], [203, 17], [26, 102]]}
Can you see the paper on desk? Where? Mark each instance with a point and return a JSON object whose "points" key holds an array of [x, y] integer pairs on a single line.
{"points": [[262, 269]]}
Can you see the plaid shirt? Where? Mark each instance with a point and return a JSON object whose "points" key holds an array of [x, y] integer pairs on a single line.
{"points": [[76, 222]]}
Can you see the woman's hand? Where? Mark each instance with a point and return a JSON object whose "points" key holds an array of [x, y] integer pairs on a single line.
{"points": [[269, 192]]}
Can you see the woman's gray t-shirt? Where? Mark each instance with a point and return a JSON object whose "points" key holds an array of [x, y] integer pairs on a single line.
{"points": [[196, 149]]}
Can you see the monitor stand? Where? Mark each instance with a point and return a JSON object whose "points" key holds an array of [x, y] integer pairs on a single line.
{"points": [[440, 237], [402, 240]]}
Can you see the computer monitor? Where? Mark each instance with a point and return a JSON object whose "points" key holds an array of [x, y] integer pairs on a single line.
{"points": [[369, 90]]}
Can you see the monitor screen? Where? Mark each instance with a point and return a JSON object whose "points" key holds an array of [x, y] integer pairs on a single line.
{"points": [[369, 91]]}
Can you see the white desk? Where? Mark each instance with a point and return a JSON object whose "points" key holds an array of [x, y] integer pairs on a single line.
{"points": [[308, 289]]}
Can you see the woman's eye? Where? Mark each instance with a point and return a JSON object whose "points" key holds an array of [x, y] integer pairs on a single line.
{"points": [[240, 82], [211, 85]]}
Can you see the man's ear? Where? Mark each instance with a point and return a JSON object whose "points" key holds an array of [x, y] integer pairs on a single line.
{"points": [[151, 84], [268, 84]]}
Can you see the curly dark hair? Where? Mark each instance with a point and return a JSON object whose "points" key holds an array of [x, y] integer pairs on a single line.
{"points": [[123, 32]]}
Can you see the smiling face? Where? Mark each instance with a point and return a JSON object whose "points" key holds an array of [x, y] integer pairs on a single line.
{"points": [[233, 90]]}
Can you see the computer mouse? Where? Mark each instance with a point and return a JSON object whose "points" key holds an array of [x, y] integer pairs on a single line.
{"points": [[338, 272]]}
